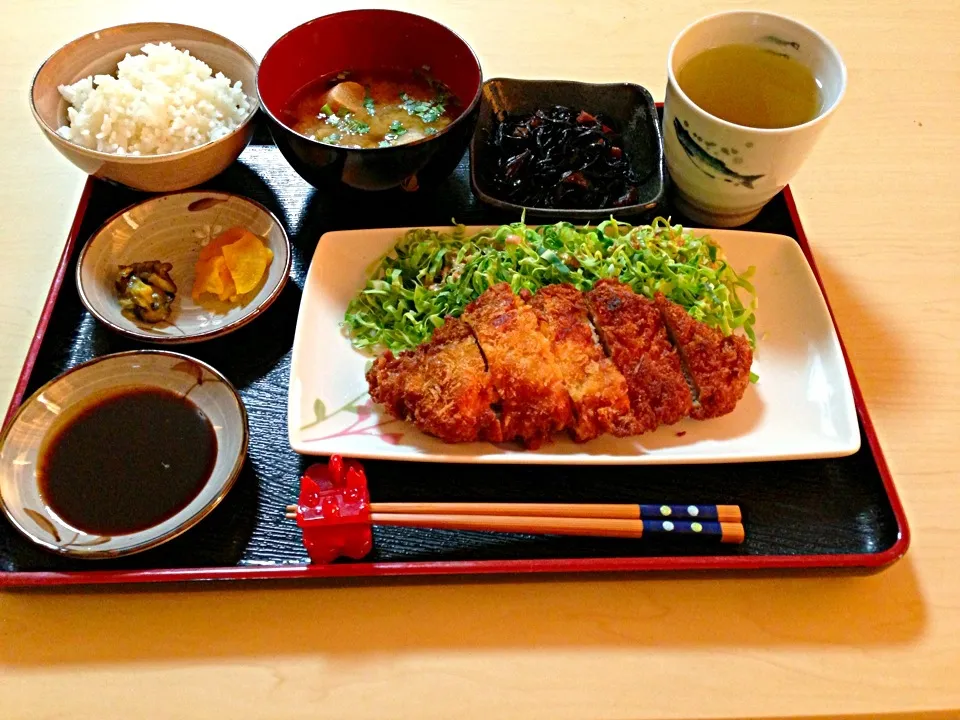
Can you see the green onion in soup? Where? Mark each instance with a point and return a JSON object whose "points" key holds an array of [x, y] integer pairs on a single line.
{"points": [[372, 109]]}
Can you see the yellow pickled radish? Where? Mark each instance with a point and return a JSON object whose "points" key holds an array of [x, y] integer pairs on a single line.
{"points": [[212, 276], [225, 238], [229, 291], [232, 264], [247, 260]]}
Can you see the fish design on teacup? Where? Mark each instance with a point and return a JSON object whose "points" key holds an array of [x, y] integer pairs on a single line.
{"points": [[708, 164], [781, 42]]}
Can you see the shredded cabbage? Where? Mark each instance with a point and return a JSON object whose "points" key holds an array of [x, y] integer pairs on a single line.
{"points": [[430, 274]]}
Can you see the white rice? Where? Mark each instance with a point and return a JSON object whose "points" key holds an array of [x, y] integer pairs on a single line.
{"points": [[162, 101]]}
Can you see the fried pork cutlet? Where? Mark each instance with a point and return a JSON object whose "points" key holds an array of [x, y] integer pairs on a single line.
{"points": [[534, 402], [718, 364], [631, 329], [442, 386], [597, 389]]}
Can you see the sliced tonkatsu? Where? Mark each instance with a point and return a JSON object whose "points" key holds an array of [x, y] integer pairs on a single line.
{"points": [[632, 331], [525, 367], [598, 390], [442, 386], [718, 365], [534, 403]]}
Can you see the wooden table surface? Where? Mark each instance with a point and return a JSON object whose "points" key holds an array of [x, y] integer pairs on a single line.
{"points": [[879, 201]]}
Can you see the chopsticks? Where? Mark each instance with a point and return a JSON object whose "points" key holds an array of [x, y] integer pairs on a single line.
{"points": [[597, 519]]}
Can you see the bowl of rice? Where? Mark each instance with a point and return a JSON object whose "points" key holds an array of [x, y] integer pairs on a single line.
{"points": [[153, 106]]}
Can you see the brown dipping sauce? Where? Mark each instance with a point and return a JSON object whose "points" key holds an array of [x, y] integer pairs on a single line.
{"points": [[127, 461]]}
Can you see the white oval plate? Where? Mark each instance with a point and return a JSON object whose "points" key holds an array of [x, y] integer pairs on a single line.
{"points": [[174, 228], [802, 406], [22, 439]]}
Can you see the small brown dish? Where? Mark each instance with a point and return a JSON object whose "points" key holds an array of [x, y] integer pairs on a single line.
{"points": [[630, 107], [173, 229], [121, 454]]}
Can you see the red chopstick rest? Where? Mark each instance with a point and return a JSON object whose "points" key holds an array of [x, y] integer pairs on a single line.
{"points": [[333, 511]]}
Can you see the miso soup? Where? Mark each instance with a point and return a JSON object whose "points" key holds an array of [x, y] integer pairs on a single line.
{"points": [[752, 86], [371, 109]]}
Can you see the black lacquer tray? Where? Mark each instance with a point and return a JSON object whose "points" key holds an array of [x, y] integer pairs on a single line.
{"points": [[833, 513]]}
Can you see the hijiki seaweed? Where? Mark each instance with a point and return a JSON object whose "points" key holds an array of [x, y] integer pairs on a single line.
{"points": [[559, 157]]}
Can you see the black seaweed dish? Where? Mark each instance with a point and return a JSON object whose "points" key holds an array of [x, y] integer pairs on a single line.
{"points": [[630, 111]]}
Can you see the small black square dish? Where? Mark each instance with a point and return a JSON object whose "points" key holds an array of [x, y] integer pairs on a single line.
{"points": [[528, 154]]}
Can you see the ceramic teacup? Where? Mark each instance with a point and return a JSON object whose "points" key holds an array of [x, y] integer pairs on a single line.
{"points": [[724, 173]]}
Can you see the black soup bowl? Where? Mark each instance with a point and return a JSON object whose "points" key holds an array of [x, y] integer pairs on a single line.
{"points": [[366, 40]]}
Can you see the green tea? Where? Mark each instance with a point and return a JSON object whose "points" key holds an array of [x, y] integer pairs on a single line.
{"points": [[752, 86]]}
